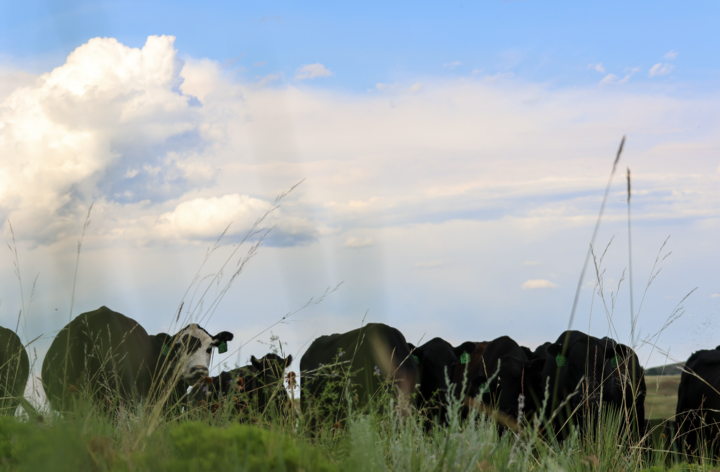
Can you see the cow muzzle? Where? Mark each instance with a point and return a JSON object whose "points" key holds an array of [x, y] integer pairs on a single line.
{"points": [[196, 372]]}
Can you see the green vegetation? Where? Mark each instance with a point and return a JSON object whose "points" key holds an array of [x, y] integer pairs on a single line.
{"points": [[392, 438], [661, 399]]}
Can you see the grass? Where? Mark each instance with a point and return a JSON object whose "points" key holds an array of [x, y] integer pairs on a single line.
{"points": [[370, 439], [662, 396]]}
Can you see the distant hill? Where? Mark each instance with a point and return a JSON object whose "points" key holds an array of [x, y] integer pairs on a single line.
{"points": [[669, 369]]}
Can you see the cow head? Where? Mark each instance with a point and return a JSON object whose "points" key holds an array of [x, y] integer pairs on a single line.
{"points": [[579, 361], [193, 346], [271, 367], [436, 359]]}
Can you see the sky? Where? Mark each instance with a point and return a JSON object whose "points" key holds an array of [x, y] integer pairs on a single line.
{"points": [[450, 162]]}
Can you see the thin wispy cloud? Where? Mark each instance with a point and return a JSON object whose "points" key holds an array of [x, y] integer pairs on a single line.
{"points": [[535, 284], [715, 295], [355, 242], [613, 79], [452, 65], [259, 64], [660, 69], [312, 71], [597, 67], [670, 55]]}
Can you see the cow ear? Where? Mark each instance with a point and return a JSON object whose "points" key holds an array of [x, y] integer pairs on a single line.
{"points": [[617, 350], [222, 337], [256, 363], [465, 348], [412, 346], [478, 383], [554, 349], [163, 343]]}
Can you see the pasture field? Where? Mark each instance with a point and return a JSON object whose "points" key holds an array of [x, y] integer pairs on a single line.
{"points": [[661, 399], [144, 438]]}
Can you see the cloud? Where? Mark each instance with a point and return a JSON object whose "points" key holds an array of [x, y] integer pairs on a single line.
{"points": [[537, 283], [609, 79], [613, 79], [429, 264], [715, 295], [74, 133], [452, 65], [660, 69], [670, 55], [597, 67], [352, 241], [153, 140], [264, 80], [312, 71], [259, 64], [396, 88]]}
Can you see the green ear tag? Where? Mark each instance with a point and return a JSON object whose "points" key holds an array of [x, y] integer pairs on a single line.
{"points": [[615, 362], [165, 350], [482, 386], [465, 358], [222, 348], [560, 360], [417, 361]]}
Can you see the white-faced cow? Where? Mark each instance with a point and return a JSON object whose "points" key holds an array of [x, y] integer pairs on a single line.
{"points": [[14, 369], [114, 358]]}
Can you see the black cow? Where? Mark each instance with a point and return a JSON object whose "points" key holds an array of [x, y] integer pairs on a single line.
{"points": [[576, 372], [513, 385], [698, 408], [14, 370], [364, 360], [440, 362], [259, 385], [113, 357], [627, 389]]}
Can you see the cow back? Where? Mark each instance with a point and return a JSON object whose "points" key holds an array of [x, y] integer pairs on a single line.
{"points": [[14, 370], [103, 351], [355, 364]]}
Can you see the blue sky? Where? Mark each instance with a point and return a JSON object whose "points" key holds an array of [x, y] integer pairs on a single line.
{"points": [[454, 159], [378, 42]]}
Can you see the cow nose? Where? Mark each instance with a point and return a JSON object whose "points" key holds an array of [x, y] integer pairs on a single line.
{"points": [[198, 371]]}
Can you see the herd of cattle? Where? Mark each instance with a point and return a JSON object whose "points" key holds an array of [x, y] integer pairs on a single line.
{"points": [[564, 382]]}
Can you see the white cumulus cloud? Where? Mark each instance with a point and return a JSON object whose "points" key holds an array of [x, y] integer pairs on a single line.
{"points": [[86, 125], [312, 71], [533, 284], [670, 55]]}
